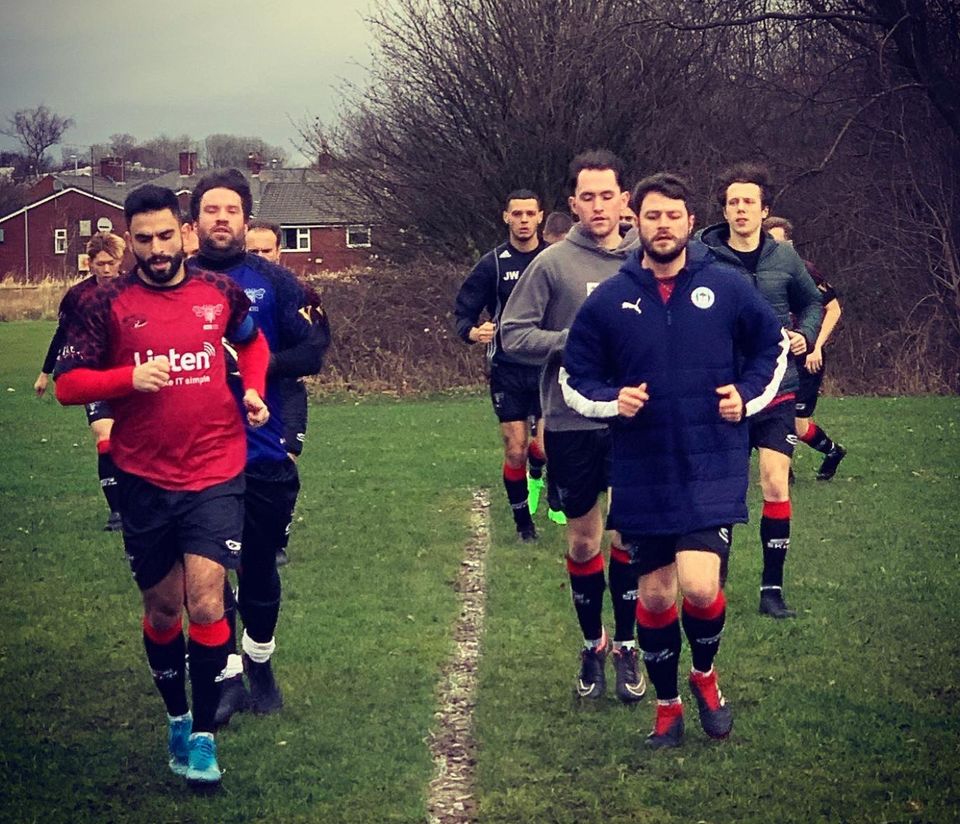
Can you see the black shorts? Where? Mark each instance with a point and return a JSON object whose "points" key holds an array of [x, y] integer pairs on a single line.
{"points": [[272, 490], [161, 526], [653, 552], [515, 391], [97, 411], [809, 389], [774, 428], [293, 395], [578, 465]]}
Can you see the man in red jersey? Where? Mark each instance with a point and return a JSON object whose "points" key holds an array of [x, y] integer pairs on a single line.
{"points": [[151, 344]]}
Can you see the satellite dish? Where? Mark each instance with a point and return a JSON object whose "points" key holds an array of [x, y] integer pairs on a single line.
{"points": [[104, 224]]}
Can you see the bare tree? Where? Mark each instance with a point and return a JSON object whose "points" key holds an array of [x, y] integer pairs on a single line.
{"points": [[223, 150], [37, 130]]}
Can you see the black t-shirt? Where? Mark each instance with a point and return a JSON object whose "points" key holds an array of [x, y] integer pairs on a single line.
{"points": [[750, 260]]}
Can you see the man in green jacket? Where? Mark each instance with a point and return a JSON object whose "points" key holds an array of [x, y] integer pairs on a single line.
{"points": [[782, 278]]}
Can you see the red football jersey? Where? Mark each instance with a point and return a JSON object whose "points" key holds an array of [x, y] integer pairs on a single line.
{"points": [[190, 435]]}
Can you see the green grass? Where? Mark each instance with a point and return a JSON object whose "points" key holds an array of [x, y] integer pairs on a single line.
{"points": [[849, 713]]}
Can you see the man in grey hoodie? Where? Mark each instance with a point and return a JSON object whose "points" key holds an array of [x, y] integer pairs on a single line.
{"points": [[782, 278], [533, 328]]}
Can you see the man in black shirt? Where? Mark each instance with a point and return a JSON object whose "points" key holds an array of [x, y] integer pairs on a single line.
{"points": [[514, 386]]}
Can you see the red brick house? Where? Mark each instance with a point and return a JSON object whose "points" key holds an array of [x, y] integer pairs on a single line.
{"points": [[322, 229], [48, 237]]}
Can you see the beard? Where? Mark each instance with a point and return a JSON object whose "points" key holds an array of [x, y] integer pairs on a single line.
{"points": [[174, 262], [680, 245], [217, 249]]}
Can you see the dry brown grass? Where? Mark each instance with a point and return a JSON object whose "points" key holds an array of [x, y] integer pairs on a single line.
{"points": [[393, 333], [32, 301]]}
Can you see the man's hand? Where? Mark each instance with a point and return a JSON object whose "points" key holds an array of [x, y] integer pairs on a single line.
{"points": [[152, 376], [257, 412], [483, 333], [631, 400], [814, 362], [798, 343], [40, 384], [731, 404]]}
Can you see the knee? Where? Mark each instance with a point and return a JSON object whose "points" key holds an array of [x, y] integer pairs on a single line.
{"points": [[515, 454], [205, 607], [701, 593], [775, 485], [655, 598], [583, 549], [163, 616]]}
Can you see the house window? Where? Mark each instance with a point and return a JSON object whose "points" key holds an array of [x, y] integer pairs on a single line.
{"points": [[59, 241], [83, 262], [1, 235], [86, 228], [358, 237], [296, 239]]}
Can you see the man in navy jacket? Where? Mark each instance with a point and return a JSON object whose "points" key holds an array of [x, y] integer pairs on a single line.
{"points": [[675, 350]]}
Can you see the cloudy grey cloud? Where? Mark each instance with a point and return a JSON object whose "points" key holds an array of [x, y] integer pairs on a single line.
{"points": [[148, 68]]}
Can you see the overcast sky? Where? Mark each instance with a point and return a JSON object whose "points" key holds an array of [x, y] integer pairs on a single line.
{"points": [[200, 68]]}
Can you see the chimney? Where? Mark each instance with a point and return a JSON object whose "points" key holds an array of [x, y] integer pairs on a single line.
{"points": [[188, 164], [112, 167], [254, 163], [324, 161]]}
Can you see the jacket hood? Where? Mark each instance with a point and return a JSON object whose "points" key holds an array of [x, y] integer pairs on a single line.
{"points": [[716, 238], [580, 237]]}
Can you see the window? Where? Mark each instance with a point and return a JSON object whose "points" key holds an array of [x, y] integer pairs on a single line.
{"points": [[59, 241], [86, 228], [1, 235], [296, 239], [358, 237], [83, 262]]}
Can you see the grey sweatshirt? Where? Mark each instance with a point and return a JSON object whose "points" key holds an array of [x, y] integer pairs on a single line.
{"points": [[541, 309]]}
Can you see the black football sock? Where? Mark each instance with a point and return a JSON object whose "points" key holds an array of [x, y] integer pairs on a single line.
{"points": [[658, 634], [815, 437], [515, 482], [535, 460], [107, 471], [165, 655], [208, 656], [230, 613], [703, 627], [624, 577], [587, 585], [775, 538]]}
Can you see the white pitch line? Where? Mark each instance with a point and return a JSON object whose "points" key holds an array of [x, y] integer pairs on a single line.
{"points": [[452, 745]]}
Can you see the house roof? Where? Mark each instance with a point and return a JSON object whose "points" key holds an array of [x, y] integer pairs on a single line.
{"points": [[315, 199], [54, 196], [105, 187], [289, 197]]}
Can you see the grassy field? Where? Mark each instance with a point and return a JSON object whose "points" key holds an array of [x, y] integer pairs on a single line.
{"points": [[848, 714]]}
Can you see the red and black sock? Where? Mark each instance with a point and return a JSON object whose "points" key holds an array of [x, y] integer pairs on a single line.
{"points": [[107, 470], [658, 634], [165, 655], [515, 482], [703, 627], [208, 656], [624, 577], [536, 460], [775, 538], [817, 438], [587, 585]]}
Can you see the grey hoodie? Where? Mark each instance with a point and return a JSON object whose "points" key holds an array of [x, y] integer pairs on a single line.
{"points": [[542, 306]]}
